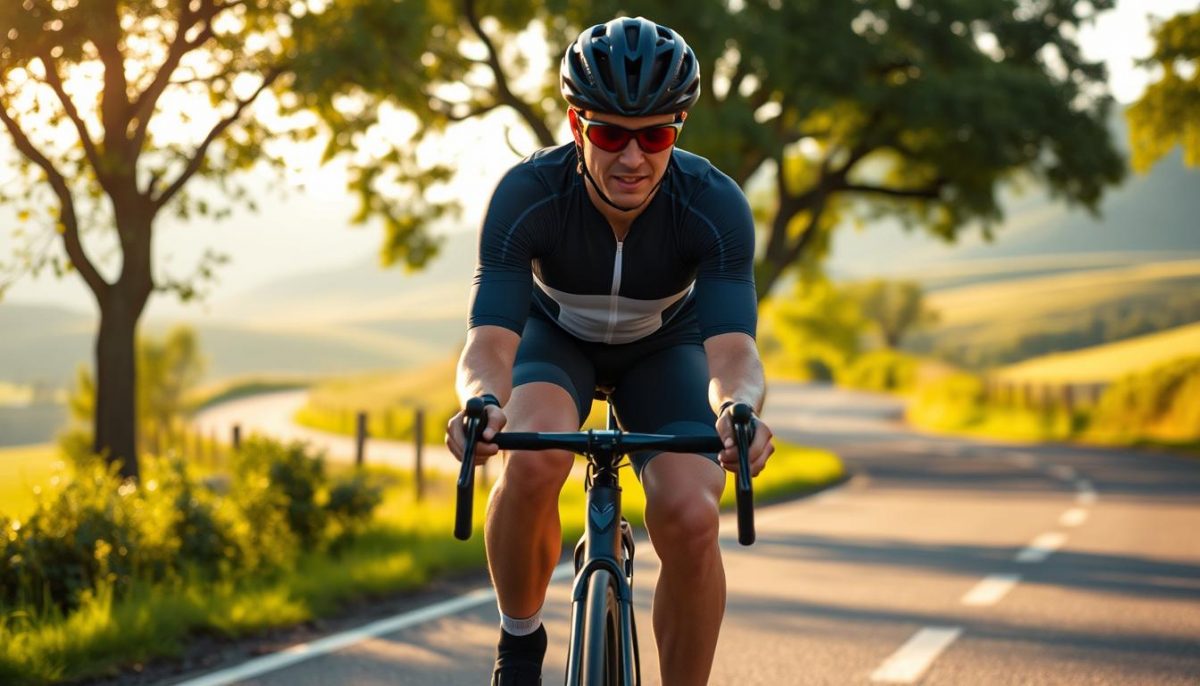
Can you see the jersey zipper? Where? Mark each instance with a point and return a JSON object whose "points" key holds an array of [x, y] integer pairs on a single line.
{"points": [[616, 286]]}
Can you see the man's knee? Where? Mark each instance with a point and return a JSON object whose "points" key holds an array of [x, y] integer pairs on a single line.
{"points": [[683, 527]]}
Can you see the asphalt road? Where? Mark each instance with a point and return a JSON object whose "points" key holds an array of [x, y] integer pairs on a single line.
{"points": [[942, 561]]}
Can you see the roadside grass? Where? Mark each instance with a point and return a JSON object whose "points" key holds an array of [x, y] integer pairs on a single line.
{"points": [[390, 401], [24, 472], [408, 544]]}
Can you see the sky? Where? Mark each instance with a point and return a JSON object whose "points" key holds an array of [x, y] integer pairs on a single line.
{"points": [[307, 228]]}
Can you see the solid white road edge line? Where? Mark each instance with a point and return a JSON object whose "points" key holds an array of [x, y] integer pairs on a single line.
{"points": [[345, 639], [991, 589], [1073, 517], [907, 664], [1042, 547]]}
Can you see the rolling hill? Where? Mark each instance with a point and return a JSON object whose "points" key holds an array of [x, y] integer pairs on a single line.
{"points": [[1107, 362]]}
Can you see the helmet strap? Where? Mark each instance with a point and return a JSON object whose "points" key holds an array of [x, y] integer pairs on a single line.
{"points": [[582, 166]]}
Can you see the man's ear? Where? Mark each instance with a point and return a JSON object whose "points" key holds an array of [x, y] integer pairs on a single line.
{"points": [[573, 118]]}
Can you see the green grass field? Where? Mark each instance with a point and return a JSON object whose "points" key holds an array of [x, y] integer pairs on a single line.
{"points": [[23, 471], [1106, 362]]}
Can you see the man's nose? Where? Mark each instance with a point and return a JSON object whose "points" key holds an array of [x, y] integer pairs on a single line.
{"points": [[632, 155]]}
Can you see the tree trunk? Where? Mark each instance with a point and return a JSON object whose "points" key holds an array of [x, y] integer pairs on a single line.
{"points": [[116, 349], [116, 383]]}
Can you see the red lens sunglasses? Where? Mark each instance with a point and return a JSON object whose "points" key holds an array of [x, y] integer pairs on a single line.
{"points": [[613, 138]]}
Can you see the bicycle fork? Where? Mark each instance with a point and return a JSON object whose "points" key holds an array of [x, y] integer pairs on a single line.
{"points": [[606, 544]]}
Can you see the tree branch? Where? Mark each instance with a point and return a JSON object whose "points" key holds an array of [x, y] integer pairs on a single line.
{"points": [[930, 192], [54, 80], [69, 220], [201, 151], [143, 106], [114, 104], [504, 93]]}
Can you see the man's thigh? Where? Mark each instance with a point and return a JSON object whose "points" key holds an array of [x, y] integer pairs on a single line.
{"points": [[666, 393], [548, 356]]}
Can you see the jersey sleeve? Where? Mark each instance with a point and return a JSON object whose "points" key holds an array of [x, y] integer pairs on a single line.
{"points": [[726, 300], [503, 282]]}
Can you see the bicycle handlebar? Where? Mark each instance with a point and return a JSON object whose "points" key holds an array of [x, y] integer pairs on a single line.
{"points": [[619, 442]]}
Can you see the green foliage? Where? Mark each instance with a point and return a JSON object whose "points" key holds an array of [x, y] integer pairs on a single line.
{"points": [[1161, 403], [1168, 113], [953, 402], [881, 370], [168, 369], [815, 330], [894, 308], [286, 479], [100, 532]]}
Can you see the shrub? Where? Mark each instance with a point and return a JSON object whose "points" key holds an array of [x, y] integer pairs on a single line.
{"points": [[352, 502], [881, 370], [84, 535], [1162, 402], [952, 402], [289, 477]]}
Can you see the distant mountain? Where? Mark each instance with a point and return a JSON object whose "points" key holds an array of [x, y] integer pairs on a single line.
{"points": [[363, 292]]}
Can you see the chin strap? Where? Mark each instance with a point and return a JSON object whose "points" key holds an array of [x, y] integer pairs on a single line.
{"points": [[588, 175]]}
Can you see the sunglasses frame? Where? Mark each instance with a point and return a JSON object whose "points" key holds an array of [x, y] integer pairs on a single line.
{"points": [[632, 134]]}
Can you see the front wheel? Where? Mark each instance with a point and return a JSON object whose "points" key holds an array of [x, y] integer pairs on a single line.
{"points": [[603, 662]]}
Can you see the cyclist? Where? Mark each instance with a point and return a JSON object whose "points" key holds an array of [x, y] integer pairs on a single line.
{"points": [[615, 261]]}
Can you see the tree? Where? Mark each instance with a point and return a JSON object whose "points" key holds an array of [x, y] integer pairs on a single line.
{"points": [[1168, 113], [893, 307], [167, 369], [115, 107], [919, 109]]}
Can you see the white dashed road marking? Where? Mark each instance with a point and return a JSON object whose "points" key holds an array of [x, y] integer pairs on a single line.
{"points": [[991, 589], [907, 664], [1073, 517], [1042, 547]]}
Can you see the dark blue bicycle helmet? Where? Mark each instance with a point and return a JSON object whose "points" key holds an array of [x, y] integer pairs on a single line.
{"points": [[631, 67]]}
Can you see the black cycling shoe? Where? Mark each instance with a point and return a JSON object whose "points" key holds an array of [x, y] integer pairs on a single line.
{"points": [[519, 659]]}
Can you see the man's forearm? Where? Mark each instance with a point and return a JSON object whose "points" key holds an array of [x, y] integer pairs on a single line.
{"points": [[486, 363], [736, 371]]}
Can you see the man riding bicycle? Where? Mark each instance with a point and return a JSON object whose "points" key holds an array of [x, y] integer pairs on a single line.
{"points": [[616, 261]]}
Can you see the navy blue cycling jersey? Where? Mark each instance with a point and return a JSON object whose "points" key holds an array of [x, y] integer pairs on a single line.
{"points": [[688, 257]]}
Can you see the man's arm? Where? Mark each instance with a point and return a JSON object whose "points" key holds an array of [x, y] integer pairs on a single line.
{"points": [[736, 374], [735, 371], [485, 366]]}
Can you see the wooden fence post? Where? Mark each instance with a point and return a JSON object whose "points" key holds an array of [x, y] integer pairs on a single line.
{"points": [[237, 437], [419, 452], [360, 439]]}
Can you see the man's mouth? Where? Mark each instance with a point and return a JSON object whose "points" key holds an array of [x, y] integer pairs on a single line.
{"points": [[628, 183]]}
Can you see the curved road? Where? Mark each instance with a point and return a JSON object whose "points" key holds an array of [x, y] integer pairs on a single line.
{"points": [[942, 561]]}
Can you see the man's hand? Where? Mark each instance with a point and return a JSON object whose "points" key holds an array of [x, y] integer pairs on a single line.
{"points": [[760, 449], [456, 436]]}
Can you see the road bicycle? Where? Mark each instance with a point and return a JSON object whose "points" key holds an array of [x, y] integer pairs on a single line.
{"points": [[603, 642]]}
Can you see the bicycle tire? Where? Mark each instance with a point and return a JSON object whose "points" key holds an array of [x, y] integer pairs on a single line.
{"points": [[602, 662]]}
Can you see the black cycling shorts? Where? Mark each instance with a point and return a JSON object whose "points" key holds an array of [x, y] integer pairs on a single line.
{"points": [[660, 382]]}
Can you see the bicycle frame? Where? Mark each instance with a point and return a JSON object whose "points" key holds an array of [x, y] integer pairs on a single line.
{"points": [[607, 544]]}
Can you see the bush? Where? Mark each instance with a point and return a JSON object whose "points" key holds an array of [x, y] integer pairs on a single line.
{"points": [[881, 370], [1162, 402], [953, 402], [99, 531]]}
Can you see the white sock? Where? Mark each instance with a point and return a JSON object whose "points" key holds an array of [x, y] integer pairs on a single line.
{"points": [[521, 627]]}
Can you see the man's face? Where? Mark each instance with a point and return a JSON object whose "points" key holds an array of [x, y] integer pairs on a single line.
{"points": [[628, 176]]}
